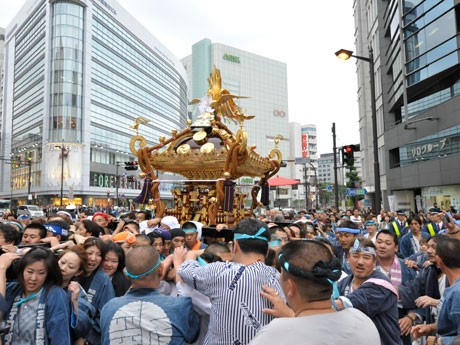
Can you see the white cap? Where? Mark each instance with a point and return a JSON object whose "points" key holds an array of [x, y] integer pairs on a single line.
{"points": [[170, 221]]}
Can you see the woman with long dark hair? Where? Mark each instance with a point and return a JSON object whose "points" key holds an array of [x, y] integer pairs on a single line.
{"points": [[96, 284], [112, 265], [35, 306], [72, 263]]}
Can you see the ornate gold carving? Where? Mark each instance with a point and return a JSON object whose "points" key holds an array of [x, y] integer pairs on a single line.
{"points": [[200, 137], [183, 149], [207, 148], [197, 156]]}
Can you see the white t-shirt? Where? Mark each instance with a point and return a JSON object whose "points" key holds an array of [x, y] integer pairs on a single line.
{"points": [[346, 327]]}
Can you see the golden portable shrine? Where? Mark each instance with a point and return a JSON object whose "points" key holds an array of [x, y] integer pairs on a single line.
{"points": [[210, 156]]}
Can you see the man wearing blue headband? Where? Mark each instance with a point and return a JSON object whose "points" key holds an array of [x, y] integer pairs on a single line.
{"points": [[191, 236], [308, 273], [371, 292], [234, 287], [347, 232], [144, 314]]}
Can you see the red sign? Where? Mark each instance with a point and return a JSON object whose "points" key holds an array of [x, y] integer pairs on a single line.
{"points": [[304, 145]]}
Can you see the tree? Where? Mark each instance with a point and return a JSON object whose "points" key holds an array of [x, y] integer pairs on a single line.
{"points": [[354, 181]]}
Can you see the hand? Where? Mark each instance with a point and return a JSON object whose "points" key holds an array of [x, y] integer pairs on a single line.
{"points": [[74, 288], [422, 330], [180, 253], [220, 227], [7, 259], [105, 238], [411, 264], [193, 254], [53, 241], [427, 263], [166, 265], [64, 245], [153, 222], [426, 301], [119, 227], [9, 248], [405, 325], [280, 308]]}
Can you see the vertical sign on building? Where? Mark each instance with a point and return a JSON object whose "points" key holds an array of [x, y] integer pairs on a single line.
{"points": [[304, 145]]}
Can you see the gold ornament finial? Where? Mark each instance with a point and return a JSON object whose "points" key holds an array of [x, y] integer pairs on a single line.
{"points": [[137, 122], [277, 139]]}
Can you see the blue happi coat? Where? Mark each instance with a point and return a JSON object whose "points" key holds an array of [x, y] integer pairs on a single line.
{"points": [[53, 308], [144, 316], [99, 293]]}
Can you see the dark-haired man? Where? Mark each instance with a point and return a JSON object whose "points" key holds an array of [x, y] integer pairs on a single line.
{"points": [[396, 270], [143, 315], [347, 232], [399, 225], [191, 236], [9, 235], [371, 292], [33, 233], [448, 324], [234, 287], [307, 272]]}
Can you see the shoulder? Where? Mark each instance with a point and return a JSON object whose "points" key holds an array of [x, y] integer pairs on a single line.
{"points": [[361, 320], [56, 292], [101, 275], [355, 314], [378, 275], [406, 237]]}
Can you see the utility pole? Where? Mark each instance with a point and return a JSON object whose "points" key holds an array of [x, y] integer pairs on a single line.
{"points": [[305, 176], [29, 162], [117, 181], [336, 181]]}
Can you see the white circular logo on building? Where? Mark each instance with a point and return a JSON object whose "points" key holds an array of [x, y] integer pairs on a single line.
{"points": [[140, 322]]}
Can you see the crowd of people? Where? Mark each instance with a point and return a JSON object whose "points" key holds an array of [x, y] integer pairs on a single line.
{"points": [[311, 277]]}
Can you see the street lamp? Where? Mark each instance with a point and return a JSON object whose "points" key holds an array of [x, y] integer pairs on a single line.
{"points": [[62, 149], [344, 54]]}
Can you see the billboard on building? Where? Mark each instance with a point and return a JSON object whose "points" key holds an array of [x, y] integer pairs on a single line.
{"points": [[304, 145], [64, 163]]}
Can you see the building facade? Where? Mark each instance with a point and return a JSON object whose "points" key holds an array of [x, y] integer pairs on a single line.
{"points": [[77, 75], [303, 163], [416, 64]]}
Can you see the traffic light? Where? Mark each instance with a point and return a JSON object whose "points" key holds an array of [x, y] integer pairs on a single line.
{"points": [[131, 165], [348, 154]]}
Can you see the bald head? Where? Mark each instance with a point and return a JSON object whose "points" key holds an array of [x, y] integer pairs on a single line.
{"points": [[142, 259]]}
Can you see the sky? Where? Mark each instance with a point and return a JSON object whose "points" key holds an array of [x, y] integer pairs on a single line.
{"points": [[304, 34]]}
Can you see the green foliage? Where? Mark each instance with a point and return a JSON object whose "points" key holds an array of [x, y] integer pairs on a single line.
{"points": [[353, 181]]}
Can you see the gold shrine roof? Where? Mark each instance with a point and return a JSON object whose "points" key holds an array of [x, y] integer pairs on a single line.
{"points": [[207, 149]]}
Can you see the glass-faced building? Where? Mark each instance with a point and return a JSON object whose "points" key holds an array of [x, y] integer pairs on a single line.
{"points": [[416, 55], [77, 75]]}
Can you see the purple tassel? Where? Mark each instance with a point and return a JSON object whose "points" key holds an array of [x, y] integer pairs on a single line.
{"points": [[229, 188], [146, 193], [265, 197]]}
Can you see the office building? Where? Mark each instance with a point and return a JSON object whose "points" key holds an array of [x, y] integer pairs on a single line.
{"points": [[303, 164], [2, 59], [77, 75], [417, 84]]}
